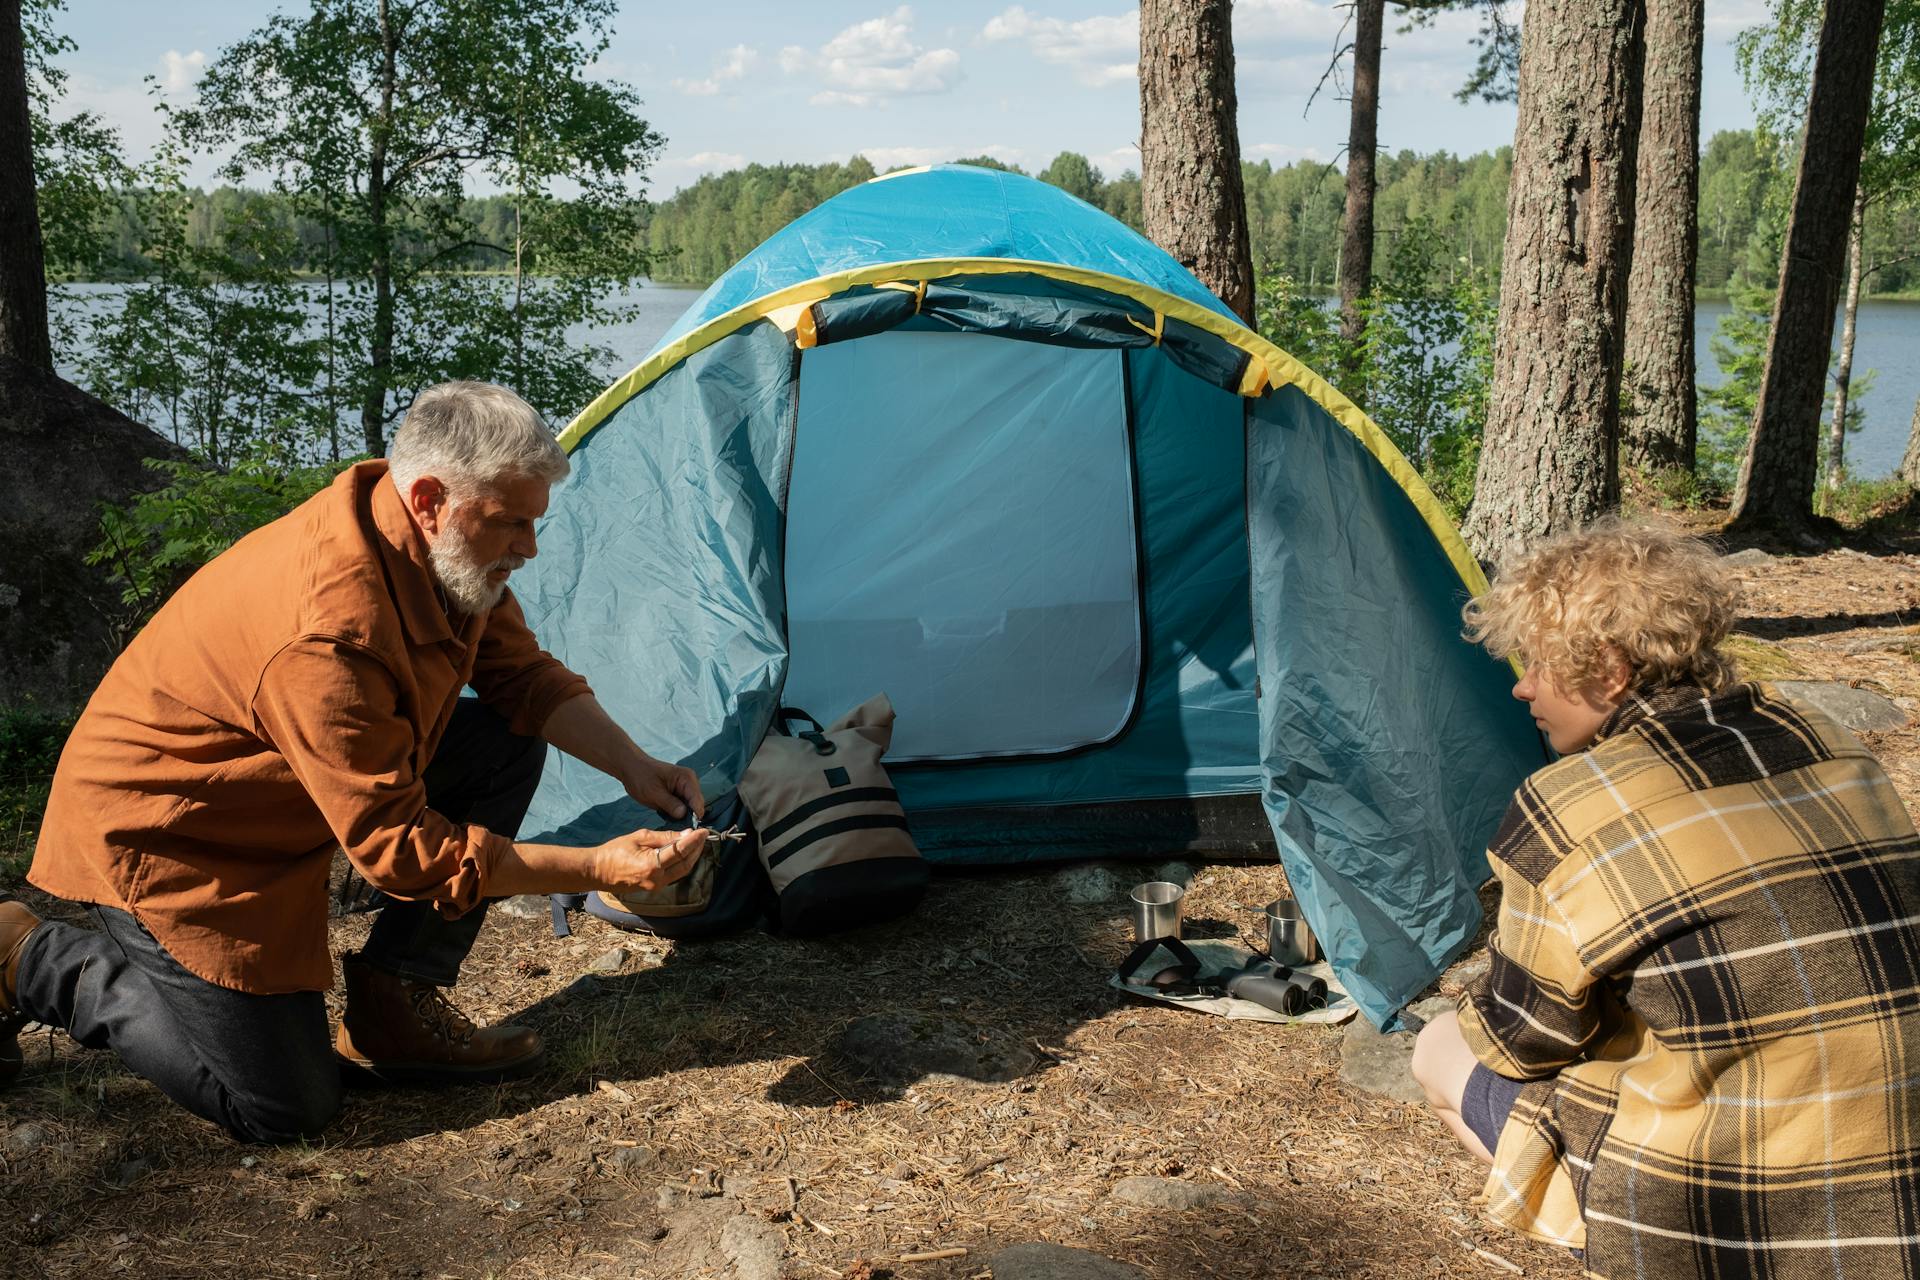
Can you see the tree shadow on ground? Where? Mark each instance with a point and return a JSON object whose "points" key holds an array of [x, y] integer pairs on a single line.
{"points": [[1824, 624]]}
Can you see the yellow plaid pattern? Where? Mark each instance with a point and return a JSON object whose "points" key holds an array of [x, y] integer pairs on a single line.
{"points": [[1706, 957]]}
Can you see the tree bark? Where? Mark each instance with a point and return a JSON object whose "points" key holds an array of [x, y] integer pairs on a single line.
{"points": [[373, 408], [1192, 199], [1775, 491], [1550, 459], [1910, 464], [1356, 243], [1843, 372], [23, 270], [1660, 417]]}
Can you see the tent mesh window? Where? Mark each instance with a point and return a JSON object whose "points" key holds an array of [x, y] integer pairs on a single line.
{"points": [[960, 536]]}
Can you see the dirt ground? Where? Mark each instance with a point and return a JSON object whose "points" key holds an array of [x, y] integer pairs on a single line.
{"points": [[696, 1118]]}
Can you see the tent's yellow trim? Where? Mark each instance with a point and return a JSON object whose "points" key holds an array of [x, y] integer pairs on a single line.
{"points": [[789, 308]]}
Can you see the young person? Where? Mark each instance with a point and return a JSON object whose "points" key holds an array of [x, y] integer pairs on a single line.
{"points": [[1697, 1049]]}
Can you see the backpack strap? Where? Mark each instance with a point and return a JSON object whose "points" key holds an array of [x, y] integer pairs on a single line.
{"points": [[1182, 972]]}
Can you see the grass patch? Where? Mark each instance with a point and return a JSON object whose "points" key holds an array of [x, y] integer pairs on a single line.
{"points": [[1857, 503], [30, 742], [1761, 659]]}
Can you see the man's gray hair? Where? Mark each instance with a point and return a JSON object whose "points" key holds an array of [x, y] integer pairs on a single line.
{"points": [[470, 436]]}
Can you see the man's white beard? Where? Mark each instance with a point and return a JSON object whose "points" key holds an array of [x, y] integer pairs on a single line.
{"points": [[462, 577]]}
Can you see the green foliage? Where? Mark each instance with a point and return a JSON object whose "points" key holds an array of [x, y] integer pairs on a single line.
{"points": [[1425, 359], [372, 116], [150, 545], [30, 742], [78, 168]]}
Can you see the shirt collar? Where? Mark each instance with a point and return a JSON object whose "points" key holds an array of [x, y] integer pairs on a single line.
{"points": [[404, 548], [1644, 704]]}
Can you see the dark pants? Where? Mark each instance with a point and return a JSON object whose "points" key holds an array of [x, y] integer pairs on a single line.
{"points": [[263, 1065]]}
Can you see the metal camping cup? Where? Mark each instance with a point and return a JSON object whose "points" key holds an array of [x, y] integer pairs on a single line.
{"points": [[1289, 940], [1156, 910]]}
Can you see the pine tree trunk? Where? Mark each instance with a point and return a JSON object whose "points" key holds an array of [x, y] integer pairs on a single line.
{"points": [[373, 407], [1356, 244], [1843, 372], [1192, 199], [1910, 464], [1657, 430], [23, 271], [1775, 491], [1549, 462]]}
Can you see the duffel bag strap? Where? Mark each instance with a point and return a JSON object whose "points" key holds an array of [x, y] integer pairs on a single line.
{"points": [[817, 736]]}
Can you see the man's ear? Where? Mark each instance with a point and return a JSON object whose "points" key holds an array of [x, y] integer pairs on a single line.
{"points": [[426, 501]]}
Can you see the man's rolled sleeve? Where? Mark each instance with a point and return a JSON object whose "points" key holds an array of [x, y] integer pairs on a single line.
{"points": [[515, 676], [1536, 1010], [331, 710]]}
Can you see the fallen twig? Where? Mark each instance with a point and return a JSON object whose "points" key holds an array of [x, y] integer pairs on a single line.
{"points": [[933, 1255]]}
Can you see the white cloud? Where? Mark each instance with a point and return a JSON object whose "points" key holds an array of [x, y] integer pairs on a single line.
{"points": [[714, 161], [1112, 164], [1728, 18], [1281, 154], [180, 70], [733, 65], [1260, 21], [885, 158], [872, 61], [1100, 50]]}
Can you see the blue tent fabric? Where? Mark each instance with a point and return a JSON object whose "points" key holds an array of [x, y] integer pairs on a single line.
{"points": [[1294, 633], [1390, 746], [949, 211]]}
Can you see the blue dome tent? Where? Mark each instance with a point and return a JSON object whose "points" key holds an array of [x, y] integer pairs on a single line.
{"points": [[1136, 581]]}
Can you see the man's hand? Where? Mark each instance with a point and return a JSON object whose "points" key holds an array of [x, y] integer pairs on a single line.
{"points": [[668, 789], [647, 860]]}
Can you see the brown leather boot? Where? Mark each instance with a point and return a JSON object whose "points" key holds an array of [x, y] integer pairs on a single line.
{"points": [[408, 1032], [16, 926]]}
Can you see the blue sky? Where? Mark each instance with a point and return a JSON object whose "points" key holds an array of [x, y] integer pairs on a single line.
{"points": [[733, 81]]}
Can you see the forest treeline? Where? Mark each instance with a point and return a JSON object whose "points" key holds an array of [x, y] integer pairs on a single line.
{"points": [[1458, 203]]}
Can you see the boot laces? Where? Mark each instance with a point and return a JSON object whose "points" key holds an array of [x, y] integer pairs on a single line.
{"points": [[431, 1006]]}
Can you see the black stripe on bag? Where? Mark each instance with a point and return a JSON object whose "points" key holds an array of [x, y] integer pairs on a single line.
{"points": [[859, 822], [813, 808]]}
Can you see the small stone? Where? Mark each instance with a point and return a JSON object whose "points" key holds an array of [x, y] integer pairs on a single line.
{"points": [[1469, 972], [527, 906], [128, 1172], [754, 1245], [24, 1138], [609, 961], [1168, 1193], [899, 1049], [1857, 709], [1058, 1262], [1751, 558], [628, 1159], [1085, 886], [584, 987]]}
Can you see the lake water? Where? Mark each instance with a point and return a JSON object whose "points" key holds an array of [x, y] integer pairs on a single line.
{"points": [[1888, 343]]}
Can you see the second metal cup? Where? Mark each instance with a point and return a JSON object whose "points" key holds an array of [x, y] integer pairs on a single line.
{"points": [[1289, 940]]}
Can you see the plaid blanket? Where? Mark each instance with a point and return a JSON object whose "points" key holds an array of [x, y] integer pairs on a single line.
{"points": [[1706, 957]]}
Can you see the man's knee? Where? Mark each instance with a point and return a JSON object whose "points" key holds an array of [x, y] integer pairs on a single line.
{"points": [[290, 1115]]}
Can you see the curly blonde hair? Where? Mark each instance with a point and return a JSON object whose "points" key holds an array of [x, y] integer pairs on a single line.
{"points": [[1658, 599]]}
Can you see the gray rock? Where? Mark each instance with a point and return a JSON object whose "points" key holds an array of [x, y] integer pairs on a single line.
{"points": [[1168, 1193], [1751, 558], [1057, 1262], [755, 1247], [25, 1138], [1180, 873], [901, 1049], [527, 906], [1087, 886], [628, 1159], [1858, 709], [1383, 1064], [609, 961], [584, 987]]}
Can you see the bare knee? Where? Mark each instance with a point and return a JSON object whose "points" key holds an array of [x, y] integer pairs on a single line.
{"points": [[1442, 1061]]}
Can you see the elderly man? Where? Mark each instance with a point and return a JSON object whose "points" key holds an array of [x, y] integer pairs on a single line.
{"points": [[302, 692]]}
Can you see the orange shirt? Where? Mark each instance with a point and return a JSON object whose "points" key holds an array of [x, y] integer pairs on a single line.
{"points": [[285, 700]]}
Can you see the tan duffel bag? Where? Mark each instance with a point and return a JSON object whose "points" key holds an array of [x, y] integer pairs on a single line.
{"points": [[832, 834]]}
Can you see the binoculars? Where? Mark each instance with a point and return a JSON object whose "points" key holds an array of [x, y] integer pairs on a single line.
{"points": [[1272, 985]]}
